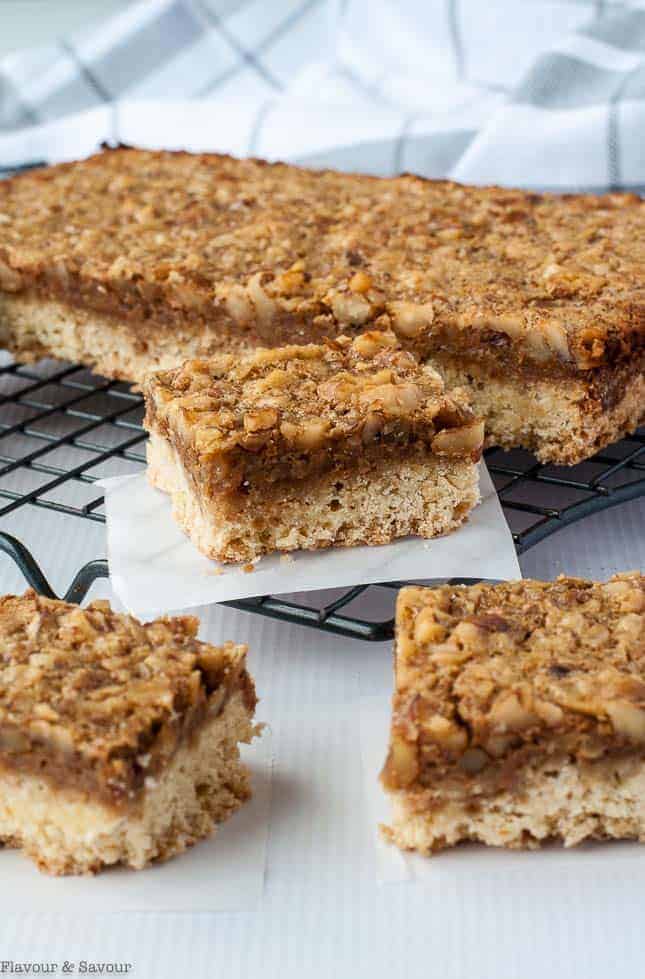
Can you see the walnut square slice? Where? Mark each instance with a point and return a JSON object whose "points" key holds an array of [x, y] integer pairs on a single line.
{"points": [[348, 442], [118, 741], [518, 714]]}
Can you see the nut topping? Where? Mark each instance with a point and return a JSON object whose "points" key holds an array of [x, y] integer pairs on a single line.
{"points": [[276, 409], [504, 676], [510, 711], [627, 719], [402, 764], [446, 733], [393, 399], [309, 435], [350, 309], [370, 343], [360, 282]]}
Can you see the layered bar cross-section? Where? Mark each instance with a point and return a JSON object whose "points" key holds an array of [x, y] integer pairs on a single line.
{"points": [[518, 714], [118, 741], [303, 447]]}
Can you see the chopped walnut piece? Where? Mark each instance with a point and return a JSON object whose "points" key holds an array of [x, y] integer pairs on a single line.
{"points": [[290, 283], [511, 712], [446, 733], [466, 439], [402, 764], [361, 282], [260, 419], [370, 343], [627, 719], [410, 319]]}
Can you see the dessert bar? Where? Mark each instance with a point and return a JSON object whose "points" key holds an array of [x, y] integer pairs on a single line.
{"points": [[135, 260], [302, 447], [118, 741], [518, 714]]}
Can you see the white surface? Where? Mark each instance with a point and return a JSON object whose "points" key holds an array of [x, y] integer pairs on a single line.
{"points": [[323, 912], [224, 873], [156, 568]]}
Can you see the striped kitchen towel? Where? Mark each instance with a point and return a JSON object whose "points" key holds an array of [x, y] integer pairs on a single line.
{"points": [[540, 93]]}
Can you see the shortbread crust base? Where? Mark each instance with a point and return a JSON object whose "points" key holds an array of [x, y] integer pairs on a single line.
{"points": [[557, 801], [557, 420], [374, 506], [32, 328], [68, 832]]}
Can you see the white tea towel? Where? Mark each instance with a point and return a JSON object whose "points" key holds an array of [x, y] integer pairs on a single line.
{"points": [[541, 93]]}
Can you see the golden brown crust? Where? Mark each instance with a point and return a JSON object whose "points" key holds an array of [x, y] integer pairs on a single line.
{"points": [[489, 679], [96, 700], [287, 413], [287, 254]]}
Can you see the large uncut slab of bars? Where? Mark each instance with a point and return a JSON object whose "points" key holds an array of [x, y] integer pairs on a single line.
{"points": [[135, 260]]}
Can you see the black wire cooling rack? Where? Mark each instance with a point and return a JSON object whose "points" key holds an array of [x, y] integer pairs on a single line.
{"points": [[62, 427]]}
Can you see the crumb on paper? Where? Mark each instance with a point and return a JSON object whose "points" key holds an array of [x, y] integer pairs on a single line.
{"points": [[286, 559], [248, 568]]}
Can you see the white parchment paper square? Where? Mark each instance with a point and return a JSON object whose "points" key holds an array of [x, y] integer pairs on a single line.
{"points": [[222, 873], [155, 568]]}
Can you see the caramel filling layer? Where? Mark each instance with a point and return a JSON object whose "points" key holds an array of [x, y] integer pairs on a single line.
{"points": [[65, 768]]}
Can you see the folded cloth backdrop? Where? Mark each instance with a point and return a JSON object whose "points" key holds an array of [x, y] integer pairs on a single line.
{"points": [[541, 93]]}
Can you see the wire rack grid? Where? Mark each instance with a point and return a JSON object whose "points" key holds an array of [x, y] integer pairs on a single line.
{"points": [[63, 427]]}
